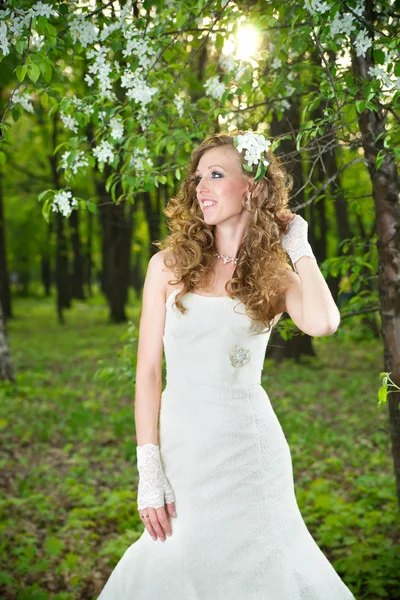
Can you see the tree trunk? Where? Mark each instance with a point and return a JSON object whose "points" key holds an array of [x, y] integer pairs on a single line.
{"points": [[5, 296], [88, 254], [386, 192], [6, 365], [116, 221], [62, 272], [46, 264], [77, 260]]}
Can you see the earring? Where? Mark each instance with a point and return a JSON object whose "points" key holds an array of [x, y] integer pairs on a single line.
{"points": [[248, 201]]}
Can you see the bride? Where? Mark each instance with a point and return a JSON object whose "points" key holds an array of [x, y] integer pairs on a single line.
{"points": [[216, 489]]}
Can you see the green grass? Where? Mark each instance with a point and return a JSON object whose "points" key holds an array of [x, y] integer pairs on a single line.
{"points": [[68, 463]]}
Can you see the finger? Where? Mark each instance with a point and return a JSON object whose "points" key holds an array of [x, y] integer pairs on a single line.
{"points": [[153, 517], [148, 526], [171, 508], [163, 520]]}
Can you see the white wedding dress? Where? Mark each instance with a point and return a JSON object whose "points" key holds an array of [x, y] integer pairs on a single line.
{"points": [[238, 534]]}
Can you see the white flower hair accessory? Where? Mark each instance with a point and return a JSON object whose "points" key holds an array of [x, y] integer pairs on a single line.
{"points": [[255, 145]]}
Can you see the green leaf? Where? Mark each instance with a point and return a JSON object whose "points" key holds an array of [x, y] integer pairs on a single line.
{"points": [[360, 106], [20, 46], [171, 148], [247, 167], [33, 72], [43, 194], [219, 42], [162, 179], [92, 207], [44, 99], [379, 56], [16, 114], [21, 72], [65, 104], [178, 174], [47, 208], [3, 158], [379, 160], [382, 394], [260, 171]]}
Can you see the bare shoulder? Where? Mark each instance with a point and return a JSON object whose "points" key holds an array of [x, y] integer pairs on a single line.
{"points": [[158, 272]]}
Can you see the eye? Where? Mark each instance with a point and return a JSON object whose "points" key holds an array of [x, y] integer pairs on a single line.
{"points": [[197, 178]]}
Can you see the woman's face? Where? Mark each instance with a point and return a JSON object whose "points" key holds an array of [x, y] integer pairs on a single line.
{"points": [[219, 177]]}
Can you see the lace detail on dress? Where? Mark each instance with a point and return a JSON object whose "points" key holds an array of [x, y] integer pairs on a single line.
{"points": [[153, 484]]}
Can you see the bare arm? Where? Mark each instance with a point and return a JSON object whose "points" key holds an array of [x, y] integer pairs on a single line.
{"points": [[309, 301], [150, 349]]}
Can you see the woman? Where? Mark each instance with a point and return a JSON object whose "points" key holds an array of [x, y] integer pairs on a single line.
{"points": [[220, 461]]}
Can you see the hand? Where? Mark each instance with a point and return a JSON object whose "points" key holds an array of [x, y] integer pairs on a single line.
{"points": [[295, 241], [153, 486]]}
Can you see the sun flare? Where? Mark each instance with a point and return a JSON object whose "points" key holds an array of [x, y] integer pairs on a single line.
{"points": [[247, 40]]}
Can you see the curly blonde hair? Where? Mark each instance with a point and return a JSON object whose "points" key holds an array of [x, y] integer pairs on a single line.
{"points": [[262, 262]]}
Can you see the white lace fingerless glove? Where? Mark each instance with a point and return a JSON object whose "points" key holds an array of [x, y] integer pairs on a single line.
{"points": [[153, 484], [295, 241]]}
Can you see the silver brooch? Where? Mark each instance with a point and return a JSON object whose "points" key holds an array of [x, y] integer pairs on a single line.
{"points": [[239, 356]]}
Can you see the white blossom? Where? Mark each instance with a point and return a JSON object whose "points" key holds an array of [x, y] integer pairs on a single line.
{"points": [[143, 118], [42, 10], [380, 72], [137, 88], [335, 25], [109, 29], [214, 88], [104, 152], [362, 42], [284, 104], [317, 6], [342, 24], [101, 68], [227, 62], [25, 100], [80, 160], [117, 128], [83, 30], [64, 202], [37, 40], [139, 47], [179, 102], [359, 9], [89, 80], [276, 63], [255, 145], [69, 122], [4, 47], [140, 159]]}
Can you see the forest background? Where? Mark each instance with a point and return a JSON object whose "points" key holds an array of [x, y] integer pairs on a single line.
{"points": [[101, 104]]}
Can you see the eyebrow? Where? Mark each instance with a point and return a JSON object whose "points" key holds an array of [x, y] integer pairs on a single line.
{"points": [[210, 167]]}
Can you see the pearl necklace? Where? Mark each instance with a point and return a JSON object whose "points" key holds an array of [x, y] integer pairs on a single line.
{"points": [[226, 259]]}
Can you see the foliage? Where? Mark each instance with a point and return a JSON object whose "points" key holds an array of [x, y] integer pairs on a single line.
{"points": [[121, 78]]}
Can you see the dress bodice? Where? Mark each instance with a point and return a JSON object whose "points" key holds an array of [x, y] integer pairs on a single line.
{"points": [[215, 341]]}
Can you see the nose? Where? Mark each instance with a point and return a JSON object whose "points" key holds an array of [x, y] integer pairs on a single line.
{"points": [[201, 186]]}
